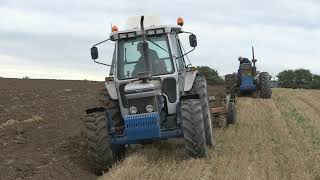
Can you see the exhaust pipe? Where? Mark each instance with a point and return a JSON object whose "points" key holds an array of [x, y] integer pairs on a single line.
{"points": [[253, 59], [147, 74]]}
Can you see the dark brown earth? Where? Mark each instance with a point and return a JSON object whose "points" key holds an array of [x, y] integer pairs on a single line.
{"points": [[218, 92], [41, 127], [45, 139]]}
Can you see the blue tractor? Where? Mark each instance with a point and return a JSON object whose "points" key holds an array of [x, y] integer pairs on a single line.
{"points": [[248, 81]]}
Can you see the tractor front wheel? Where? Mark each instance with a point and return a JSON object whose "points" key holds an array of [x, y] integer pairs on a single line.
{"points": [[231, 116], [193, 128], [101, 153], [99, 148]]}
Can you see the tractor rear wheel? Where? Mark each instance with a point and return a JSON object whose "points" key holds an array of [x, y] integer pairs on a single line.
{"points": [[231, 116], [200, 87], [101, 153], [231, 83], [265, 89], [193, 128]]}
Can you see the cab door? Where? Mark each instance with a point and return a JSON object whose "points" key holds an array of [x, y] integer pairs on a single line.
{"points": [[179, 60]]}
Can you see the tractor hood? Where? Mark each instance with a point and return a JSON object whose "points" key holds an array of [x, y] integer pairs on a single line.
{"points": [[144, 97], [139, 89]]}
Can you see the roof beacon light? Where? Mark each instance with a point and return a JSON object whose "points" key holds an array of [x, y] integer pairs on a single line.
{"points": [[180, 21], [114, 29]]}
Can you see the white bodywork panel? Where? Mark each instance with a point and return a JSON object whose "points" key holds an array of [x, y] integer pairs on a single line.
{"points": [[112, 90], [188, 82]]}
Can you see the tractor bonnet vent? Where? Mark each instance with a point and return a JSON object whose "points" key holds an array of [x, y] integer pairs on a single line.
{"points": [[140, 89]]}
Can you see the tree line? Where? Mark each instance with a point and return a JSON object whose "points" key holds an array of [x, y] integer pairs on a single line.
{"points": [[299, 78], [212, 75]]}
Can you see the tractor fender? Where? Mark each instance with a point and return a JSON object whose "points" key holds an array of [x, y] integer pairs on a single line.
{"points": [[111, 87], [189, 79]]}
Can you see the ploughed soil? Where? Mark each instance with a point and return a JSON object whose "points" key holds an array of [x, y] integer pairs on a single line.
{"points": [[41, 127]]}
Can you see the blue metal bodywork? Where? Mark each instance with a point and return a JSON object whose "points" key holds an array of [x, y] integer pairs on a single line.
{"points": [[247, 84], [143, 127]]}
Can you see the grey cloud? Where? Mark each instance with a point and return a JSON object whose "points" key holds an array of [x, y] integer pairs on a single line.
{"points": [[58, 34]]}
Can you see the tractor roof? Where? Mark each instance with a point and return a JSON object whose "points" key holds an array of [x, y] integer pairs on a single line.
{"points": [[151, 30]]}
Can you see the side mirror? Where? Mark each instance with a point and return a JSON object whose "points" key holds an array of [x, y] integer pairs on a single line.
{"points": [[193, 40], [94, 53]]}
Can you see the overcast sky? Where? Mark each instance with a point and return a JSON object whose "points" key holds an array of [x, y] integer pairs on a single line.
{"points": [[51, 39]]}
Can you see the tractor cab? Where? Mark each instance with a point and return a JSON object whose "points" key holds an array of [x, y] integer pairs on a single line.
{"points": [[162, 65]]}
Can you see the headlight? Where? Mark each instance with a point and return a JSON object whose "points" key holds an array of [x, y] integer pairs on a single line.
{"points": [[151, 32], [159, 31], [131, 35], [149, 108], [122, 36], [133, 110]]}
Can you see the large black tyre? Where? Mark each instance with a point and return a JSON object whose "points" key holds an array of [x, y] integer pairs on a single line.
{"points": [[112, 106], [231, 83], [99, 148], [193, 129], [265, 89], [200, 87], [231, 116], [101, 153]]}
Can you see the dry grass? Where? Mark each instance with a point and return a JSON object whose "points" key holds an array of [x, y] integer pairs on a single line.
{"points": [[273, 139], [14, 122]]}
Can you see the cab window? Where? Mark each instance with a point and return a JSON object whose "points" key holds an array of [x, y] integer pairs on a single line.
{"points": [[177, 51], [131, 62]]}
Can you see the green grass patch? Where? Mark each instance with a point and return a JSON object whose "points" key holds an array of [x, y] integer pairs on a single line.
{"points": [[291, 112], [316, 141]]}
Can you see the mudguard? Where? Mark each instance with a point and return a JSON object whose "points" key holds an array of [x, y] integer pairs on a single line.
{"points": [[189, 79], [111, 87]]}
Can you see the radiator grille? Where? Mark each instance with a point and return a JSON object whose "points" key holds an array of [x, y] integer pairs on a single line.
{"points": [[142, 126]]}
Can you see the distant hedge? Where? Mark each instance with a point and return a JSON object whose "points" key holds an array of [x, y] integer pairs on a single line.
{"points": [[212, 75], [299, 78]]}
